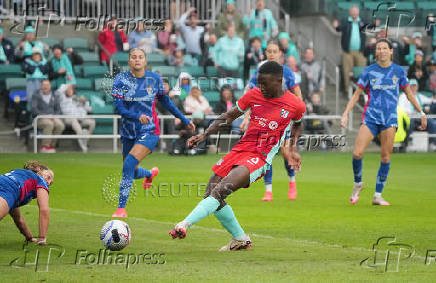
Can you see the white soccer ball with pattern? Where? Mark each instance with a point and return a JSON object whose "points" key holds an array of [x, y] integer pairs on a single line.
{"points": [[115, 235]]}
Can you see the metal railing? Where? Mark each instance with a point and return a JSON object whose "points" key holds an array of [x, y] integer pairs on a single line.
{"points": [[115, 136]]}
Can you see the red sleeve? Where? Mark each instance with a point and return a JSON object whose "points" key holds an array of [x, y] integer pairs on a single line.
{"points": [[244, 103], [102, 37], [299, 110], [123, 36]]}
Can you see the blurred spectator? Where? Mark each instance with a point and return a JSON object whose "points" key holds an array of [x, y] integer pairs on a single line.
{"points": [[431, 31], [112, 39], [45, 102], [209, 51], [183, 85], [191, 33], [226, 103], [142, 38], [196, 104], [253, 56], [292, 63], [261, 23], [403, 129], [418, 70], [76, 106], [74, 57], [167, 39], [6, 50], [176, 59], [352, 42], [174, 7], [230, 17], [317, 126], [171, 125], [229, 51], [288, 47], [411, 46], [398, 48], [423, 100], [61, 68], [312, 75], [432, 75], [36, 69], [24, 49]]}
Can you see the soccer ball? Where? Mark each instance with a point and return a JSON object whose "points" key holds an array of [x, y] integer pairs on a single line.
{"points": [[115, 235]]}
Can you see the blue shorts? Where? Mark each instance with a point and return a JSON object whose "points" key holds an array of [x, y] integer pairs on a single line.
{"points": [[8, 192], [377, 128], [148, 140]]}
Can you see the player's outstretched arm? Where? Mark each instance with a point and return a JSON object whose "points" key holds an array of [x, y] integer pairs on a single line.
{"points": [[418, 108], [21, 224], [223, 120], [44, 215], [350, 106], [291, 154], [168, 104]]}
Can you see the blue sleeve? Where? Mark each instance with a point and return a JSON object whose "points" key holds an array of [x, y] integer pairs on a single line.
{"points": [[118, 95], [403, 78], [290, 79], [253, 81], [363, 79], [41, 183], [168, 104], [159, 86]]}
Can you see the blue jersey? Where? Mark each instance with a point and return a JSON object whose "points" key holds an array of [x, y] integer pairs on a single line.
{"points": [[136, 96], [22, 184], [383, 87], [288, 78]]}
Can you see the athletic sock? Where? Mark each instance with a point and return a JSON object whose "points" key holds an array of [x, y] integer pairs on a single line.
{"points": [[382, 176], [203, 209], [267, 179], [141, 172], [268, 187], [228, 219], [291, 172], [126, 182], [357, 169], [376, 195]]}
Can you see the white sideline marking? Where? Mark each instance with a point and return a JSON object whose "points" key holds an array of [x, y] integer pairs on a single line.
{"points": [[218, 230]]}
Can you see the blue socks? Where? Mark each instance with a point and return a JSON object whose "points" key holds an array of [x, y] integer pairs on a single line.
{"points": [[203, 209], [357, 169], [382, 176], [227, 218], [291, 172], [142, 173], [126, 182], [267, 179]]}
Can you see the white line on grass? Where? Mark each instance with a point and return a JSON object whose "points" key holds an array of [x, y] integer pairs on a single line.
{"points": [[218, 230]]}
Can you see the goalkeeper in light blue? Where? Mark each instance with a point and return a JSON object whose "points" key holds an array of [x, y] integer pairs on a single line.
{"points": [[135, 93]]}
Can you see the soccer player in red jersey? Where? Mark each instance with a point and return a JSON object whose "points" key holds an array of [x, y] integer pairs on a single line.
{"points": [[274, 113]]}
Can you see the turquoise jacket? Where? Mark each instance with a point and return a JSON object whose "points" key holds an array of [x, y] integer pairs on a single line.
{"points": [[64, 62], [262, 25], [228, 52], [36, 70]]}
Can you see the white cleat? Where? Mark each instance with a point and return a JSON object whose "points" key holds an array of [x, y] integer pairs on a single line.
{"points": [[236, 245], [357, 187], [380, 201]]}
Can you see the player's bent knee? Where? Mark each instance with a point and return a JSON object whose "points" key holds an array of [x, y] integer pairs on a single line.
{"points": [[357, 155]]}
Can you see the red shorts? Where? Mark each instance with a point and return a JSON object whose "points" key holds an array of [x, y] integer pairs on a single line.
{"points": [[252, 160]]}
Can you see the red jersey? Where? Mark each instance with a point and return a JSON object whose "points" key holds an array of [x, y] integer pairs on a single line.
{"points": [[270, 121]]}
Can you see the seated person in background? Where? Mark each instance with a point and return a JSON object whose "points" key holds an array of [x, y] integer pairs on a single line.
{"points": [[170, 126], [315, 126], [418, 70], [196, 103], [6, 50], [112, 39], [167, 39], [24, 49], [226, 103], [36, 69], [183, 85], [312, 75], [142, 38], [74, 57], [432, 75], [176, 59], [61, 67], [288, 47], [45, 102], [77, 106], [292, 64], [253, 56]]}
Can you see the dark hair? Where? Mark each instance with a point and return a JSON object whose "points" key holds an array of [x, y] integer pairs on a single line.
{"points": [[272, 41], [57, 46], [386, 41], [133, 49], [271, 68], [229, 88]]}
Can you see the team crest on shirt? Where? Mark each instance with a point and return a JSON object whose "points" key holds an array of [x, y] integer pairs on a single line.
{"points": [[150, 90], [273, 125], [219, 162], [284, 113], [394, 79]]}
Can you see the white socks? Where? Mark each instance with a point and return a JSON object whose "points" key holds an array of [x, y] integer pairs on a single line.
{"points": [[268, 187]]}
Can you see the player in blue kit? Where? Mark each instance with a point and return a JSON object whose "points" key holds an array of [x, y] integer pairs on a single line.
{"points": [[135, 94], [18, 188], [382, 82], [273, 53]]}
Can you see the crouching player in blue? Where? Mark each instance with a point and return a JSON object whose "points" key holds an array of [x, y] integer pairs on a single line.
{"points": [[18, 188], [382, 82], [135, 94]]}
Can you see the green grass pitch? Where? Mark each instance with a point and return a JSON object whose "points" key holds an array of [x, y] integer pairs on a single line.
{"points": [[318, 237]]}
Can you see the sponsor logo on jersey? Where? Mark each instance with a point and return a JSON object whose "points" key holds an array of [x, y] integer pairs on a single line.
{"points": [[273, 125], [394, 79], [284, 113]]}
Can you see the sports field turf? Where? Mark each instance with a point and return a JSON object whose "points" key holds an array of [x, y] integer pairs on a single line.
{"points": [[318, 237]]}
